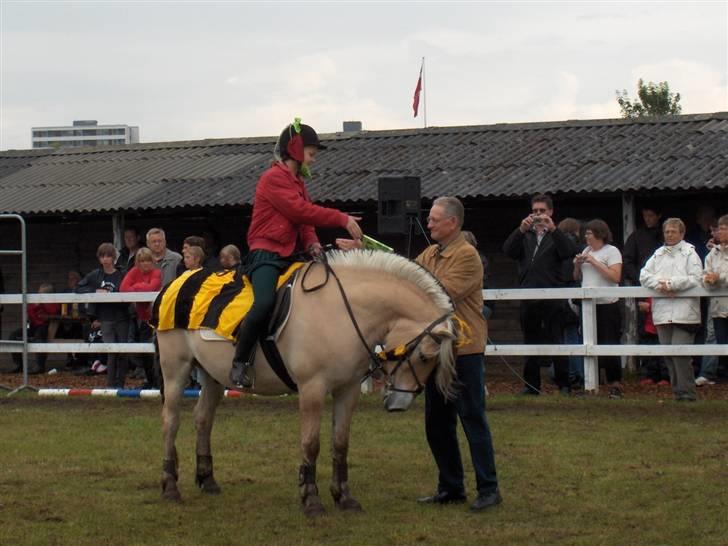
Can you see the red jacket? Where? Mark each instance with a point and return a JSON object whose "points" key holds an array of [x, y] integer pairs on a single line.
{"points": [[138, 281], [38, 312], [283, 213]]}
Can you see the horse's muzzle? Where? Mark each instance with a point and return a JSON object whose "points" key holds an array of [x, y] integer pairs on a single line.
{"points": [[398, 401]]}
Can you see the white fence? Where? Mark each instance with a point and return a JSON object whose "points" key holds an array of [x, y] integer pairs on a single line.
{"points": [[590, 350]]}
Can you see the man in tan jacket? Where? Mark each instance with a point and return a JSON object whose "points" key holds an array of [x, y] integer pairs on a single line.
{"points": [[456, 264]]}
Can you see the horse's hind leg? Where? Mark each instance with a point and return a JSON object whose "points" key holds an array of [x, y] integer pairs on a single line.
{"points": [[210, 396], [175, 361], [344, 404], [310, 403]]}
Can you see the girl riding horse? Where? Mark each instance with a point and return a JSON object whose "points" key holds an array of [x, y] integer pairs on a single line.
{"points": [[283, 222]]}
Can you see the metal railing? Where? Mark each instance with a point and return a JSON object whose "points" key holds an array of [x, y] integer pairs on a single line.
{"points": [[590, 349], [22, 252]]}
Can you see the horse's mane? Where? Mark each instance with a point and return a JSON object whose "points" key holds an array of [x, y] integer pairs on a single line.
{"points": [[398, 266]]}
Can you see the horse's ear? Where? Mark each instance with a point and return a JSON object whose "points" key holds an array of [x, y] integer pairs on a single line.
{"points": [[442, 332]]}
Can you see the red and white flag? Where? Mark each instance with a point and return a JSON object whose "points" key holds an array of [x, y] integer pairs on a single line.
{"points": [[416, 99]]}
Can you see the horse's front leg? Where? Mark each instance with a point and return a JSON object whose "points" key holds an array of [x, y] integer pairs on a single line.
{"points": [[311, 404], [210, 396], [345, 401]]}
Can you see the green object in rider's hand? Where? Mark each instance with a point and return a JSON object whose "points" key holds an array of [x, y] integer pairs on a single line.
{"points": [[373, 244]]}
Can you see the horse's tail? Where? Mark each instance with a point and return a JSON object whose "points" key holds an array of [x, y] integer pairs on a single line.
{"points": [[445, 375]]}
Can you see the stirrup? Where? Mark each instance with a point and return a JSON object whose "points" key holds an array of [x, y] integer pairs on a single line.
{"points": [[240, 374]]}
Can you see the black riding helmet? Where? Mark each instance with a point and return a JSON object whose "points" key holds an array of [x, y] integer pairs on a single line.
{"points": [[308, 137]]}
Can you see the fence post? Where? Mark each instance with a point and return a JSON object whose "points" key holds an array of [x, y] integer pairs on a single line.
{"points": [[589, 330]]}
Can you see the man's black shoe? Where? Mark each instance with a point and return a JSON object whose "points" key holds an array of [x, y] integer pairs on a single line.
{"points": [[482, 502], [528, 391], [240, 374], [443, 497]]}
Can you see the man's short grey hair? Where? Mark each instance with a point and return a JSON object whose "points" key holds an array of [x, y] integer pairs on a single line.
{"points": [[156, 231], [677, 222], [452, 207]]}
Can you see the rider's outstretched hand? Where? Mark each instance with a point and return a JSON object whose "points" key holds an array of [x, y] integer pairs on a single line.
{"points": [[349, 244], [353, 228]]}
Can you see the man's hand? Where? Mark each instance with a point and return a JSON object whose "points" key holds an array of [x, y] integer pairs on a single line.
{"points": [[547, 222], [644, 306], [353, 227], [349, 244], [526, 224], [711, 278]]}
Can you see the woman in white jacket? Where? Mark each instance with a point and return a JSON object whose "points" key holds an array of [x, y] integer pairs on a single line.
{"points": [[715, 276], [673, 268]]}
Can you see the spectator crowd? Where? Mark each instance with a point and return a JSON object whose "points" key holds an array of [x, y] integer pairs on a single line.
{"points": [[134, 268]]}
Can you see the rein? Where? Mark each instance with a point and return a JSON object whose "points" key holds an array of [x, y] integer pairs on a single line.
{"points": [[377, 359]]}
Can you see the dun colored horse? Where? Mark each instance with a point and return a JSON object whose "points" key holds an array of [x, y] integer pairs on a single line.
{"points": [[341, 309]]}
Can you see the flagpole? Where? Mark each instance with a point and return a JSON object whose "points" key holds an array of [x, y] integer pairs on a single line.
{"points": [[424, 94]]}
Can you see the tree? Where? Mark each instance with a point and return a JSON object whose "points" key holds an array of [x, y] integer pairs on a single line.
{"points": [[655, 99]]}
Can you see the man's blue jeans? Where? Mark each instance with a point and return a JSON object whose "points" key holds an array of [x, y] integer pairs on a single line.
{"points": [[572, 336], [441, 428]]}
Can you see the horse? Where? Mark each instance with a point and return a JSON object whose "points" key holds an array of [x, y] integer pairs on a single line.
{"points": [[341, 308]]}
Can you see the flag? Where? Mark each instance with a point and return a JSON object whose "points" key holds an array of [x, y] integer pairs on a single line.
{"points": [[416, 99]]}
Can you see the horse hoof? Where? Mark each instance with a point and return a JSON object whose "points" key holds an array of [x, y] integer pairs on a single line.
{"points": [[172, 496], [209, 486], [349, 504], [313, 508], [170, 491]]}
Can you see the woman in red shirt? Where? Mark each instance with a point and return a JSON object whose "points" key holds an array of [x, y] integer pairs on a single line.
{"points": [[144, 277], [283, 222]]}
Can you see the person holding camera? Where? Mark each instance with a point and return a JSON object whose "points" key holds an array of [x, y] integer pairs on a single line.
{"points": [[600, 265], [112, 318], [540, 250]]}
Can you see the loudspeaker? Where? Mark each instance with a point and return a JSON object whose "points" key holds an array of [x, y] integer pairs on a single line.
{"points": [[399, 203]]}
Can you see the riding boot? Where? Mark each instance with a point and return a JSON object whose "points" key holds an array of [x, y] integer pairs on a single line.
{"points": [[241, 374]]}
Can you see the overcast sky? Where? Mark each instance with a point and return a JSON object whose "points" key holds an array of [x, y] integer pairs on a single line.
{"points": [[188, 70]]}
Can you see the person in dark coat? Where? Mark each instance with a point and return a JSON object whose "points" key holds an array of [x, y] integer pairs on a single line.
{"points": [[540, 250], [638, 248], [112, 318], [641, 244]]}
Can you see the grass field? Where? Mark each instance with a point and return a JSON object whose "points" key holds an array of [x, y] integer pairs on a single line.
{"points": [[594, 471]]}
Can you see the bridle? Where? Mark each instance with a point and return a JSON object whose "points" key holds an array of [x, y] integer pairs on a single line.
{"points": [[399, 355]]}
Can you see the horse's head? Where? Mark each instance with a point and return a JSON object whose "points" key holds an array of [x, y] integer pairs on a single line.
{"points": [[408, 366]]}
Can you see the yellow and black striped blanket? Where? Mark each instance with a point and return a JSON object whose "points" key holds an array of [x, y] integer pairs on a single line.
{"points": [[200, 299]]}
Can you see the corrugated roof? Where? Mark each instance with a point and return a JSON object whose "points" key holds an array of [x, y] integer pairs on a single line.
{"points": [[676, 152]]}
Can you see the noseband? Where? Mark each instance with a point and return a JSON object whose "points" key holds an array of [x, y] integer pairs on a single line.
{"points": [[396, 355]]}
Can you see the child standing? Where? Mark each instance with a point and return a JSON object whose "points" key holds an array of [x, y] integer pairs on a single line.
{"points": [[112, 318]]}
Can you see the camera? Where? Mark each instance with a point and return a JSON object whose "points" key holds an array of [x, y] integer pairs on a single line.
{"points": [[537, 219]]}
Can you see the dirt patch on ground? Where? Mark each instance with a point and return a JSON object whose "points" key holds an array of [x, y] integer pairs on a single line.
{"points": [[500, 380]]}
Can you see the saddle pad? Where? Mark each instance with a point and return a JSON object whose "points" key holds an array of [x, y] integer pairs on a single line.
{"points": [[199, 299]]}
